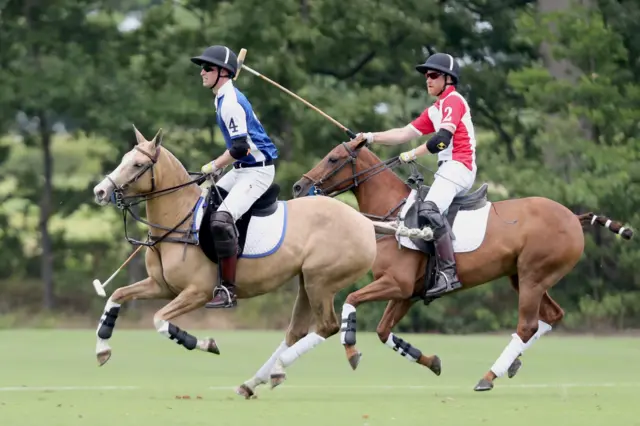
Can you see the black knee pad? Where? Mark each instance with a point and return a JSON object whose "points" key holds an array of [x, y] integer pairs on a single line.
{"points": [[225, 234], [429, 214]]}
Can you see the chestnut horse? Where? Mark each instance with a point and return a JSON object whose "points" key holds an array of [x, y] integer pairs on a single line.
{"points": [[534, 241]]}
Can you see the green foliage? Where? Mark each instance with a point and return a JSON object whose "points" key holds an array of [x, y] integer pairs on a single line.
{"points": [[70, 71]]}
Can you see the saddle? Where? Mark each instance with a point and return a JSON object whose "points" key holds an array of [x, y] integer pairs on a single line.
{"points": [[473, 201], [264, 206]]}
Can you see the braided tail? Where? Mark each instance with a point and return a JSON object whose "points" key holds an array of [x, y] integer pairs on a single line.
{"points": [[612, 225]]}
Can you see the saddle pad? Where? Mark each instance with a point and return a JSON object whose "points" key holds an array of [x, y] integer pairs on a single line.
{"points": [[468, 228], [264, 234]]}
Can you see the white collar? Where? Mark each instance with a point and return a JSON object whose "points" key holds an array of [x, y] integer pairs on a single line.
{"points": [[224, 89]]}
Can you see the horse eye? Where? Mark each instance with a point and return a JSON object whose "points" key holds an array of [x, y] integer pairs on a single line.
{"points": [[333, 160], [137, 165]]}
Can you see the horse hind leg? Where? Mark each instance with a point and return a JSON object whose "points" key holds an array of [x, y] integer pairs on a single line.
{"points": [[394, 312], [321, 292], [298, 328], [550, 314], [188, 300], [531, 293], [145, 289]]}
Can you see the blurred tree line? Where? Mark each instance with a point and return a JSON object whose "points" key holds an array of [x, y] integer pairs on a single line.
{"points": [[554, 87]]}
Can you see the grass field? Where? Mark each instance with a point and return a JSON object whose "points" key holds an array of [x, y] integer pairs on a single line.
{"points": [[51, 378]]}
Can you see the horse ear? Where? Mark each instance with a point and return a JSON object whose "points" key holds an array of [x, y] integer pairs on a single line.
{"points": [[363, 142], [139, 138], [157, 139]]}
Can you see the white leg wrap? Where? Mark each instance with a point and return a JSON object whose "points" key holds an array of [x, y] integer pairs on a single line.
{"points": [[262, 376], [301, 347], [543, 328], [346, 310], [508, 355]]}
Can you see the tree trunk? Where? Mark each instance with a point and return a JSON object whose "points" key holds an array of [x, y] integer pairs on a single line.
{"points": [[46, 203]]}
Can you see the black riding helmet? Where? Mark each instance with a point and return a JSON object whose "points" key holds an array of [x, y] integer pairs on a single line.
{"points": [[443, 63], [220, 56]]}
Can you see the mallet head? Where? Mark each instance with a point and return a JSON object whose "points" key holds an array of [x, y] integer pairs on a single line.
{"points": [[98, 288]]}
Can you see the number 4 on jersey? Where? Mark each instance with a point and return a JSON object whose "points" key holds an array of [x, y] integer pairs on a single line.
{"points": [[233, 126]]}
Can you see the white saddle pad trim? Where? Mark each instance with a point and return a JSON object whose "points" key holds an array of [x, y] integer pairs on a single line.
{"points": [[265, 235], [469, 227]]}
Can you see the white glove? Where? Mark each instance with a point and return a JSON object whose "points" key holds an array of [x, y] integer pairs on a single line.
{"points": [[368, 136], [405, 157], [211, 168]]}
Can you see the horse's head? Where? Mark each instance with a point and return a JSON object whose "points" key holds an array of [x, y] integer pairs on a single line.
{"points": [[135, 173], [337, 172]]}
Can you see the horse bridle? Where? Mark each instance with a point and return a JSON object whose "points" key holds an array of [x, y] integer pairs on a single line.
{"points": [[122, 202], [355, 178]]}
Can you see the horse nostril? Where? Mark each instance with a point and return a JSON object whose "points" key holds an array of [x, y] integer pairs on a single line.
{"points": [[297, 188], [100, 193]]}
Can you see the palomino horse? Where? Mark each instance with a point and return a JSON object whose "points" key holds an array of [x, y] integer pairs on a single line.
{"points": [[537, 244], [325, 242]]}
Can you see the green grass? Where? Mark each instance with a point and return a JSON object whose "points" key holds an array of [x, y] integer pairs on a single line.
{"points": [[564, 381]]}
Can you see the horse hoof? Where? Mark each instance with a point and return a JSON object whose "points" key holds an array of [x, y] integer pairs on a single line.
{"points": [[483, 385], [103, 357], [354, 360], [278, 379], [212, 346], [436, 365], [513, 368], [245, 391]]}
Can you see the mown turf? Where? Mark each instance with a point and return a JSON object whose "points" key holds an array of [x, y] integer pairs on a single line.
{"points": [[564, 381]]}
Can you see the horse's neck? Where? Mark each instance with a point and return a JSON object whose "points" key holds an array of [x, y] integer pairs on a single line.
{"points": [[171, 208], [381, 194]]}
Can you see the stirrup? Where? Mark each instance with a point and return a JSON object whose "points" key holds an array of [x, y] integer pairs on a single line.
{"points": [[229, 303]]}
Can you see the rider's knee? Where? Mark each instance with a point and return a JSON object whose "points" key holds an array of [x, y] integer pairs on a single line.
{"points": [[224, 233]]}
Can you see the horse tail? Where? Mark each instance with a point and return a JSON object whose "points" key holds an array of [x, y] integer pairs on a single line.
{"points": [[611, 225]]}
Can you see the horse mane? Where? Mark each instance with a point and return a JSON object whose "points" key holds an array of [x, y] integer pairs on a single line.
{"points": [[372, 159], [175, 162]]}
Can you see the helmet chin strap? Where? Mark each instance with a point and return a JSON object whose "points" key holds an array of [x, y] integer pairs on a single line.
{"points": [[215, 83], [446, 83]]}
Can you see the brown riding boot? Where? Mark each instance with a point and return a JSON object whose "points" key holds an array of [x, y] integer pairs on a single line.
{"points": [[224, 294]]}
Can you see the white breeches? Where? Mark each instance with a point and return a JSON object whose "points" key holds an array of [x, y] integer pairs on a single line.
{"points": [[245, 186], [451, 179]]}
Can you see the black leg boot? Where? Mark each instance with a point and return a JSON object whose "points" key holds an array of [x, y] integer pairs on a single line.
{"points": [[225, 238], [447, 277]]}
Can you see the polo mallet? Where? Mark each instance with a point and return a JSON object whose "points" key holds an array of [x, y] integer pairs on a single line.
{"points": [[100, 287], [289, 92]]}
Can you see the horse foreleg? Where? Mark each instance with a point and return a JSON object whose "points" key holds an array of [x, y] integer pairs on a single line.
{"points": [[145, 289], [298, 328], [394, 312], [188, 300], [382, 289]]}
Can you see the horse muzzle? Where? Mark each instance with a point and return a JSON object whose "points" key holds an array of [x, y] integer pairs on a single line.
{"points": [[304, 188]]}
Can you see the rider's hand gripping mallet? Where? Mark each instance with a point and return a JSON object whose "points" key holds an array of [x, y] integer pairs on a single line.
{"points": [[100, 287]]}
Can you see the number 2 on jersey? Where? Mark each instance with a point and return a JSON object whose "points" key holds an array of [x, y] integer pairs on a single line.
{"points": [[447, 114]]}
